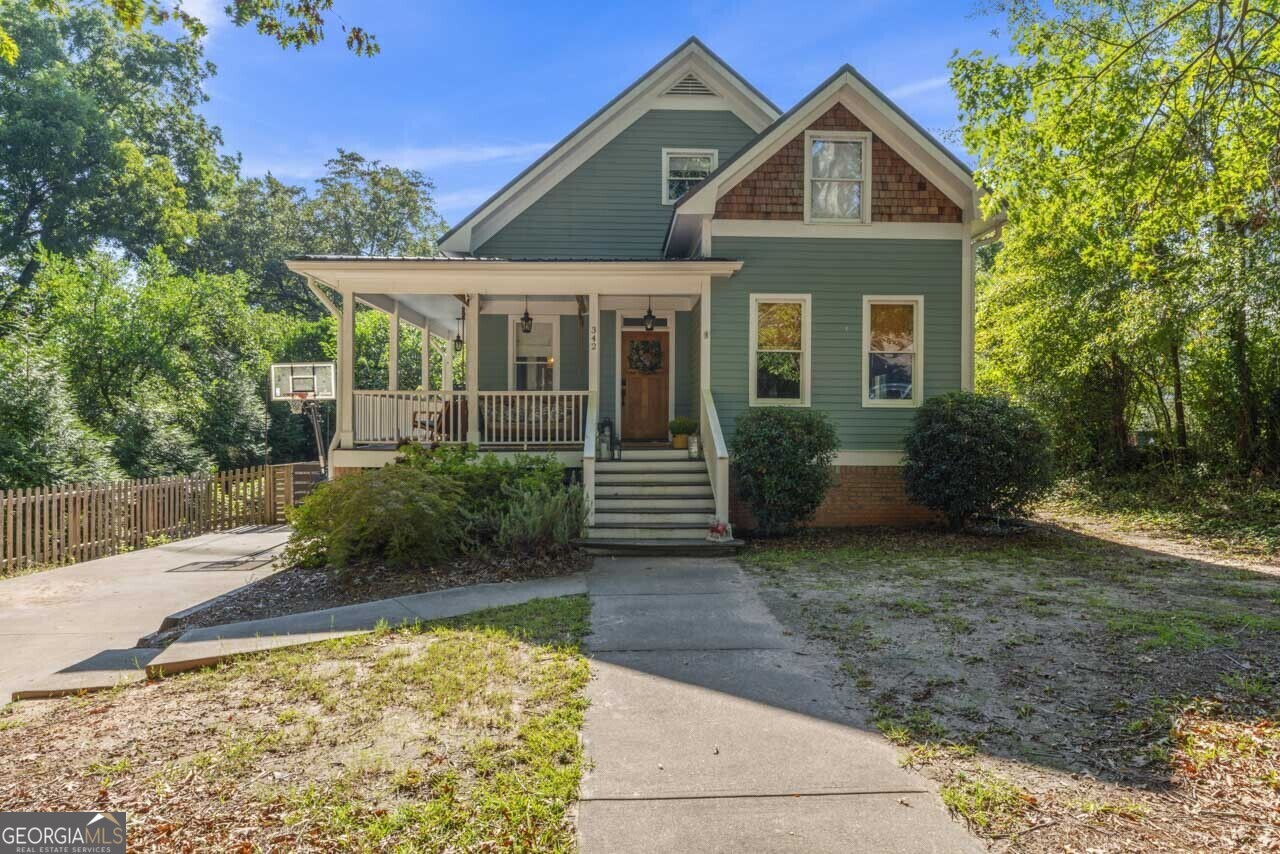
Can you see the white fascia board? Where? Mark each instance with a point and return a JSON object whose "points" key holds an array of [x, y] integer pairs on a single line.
{"points": [[581, 145]]}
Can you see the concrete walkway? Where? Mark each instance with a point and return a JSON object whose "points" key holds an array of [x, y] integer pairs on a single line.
{"points": [[711, 729], [86, 617]]}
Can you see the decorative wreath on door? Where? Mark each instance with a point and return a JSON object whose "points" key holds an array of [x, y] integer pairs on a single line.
{"points": [[645, 357]]}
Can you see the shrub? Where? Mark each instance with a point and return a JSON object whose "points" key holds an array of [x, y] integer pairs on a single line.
{"points": [[402, 515], [782, 461], [538, 518], [485, 481], [969, 455], [682, 426]]}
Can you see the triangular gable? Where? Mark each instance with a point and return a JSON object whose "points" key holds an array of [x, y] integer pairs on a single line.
{"points": [[899, 192], [667, 85], [923, 180]]}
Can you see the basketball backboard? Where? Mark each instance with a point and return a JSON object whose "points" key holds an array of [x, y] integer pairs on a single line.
{"points": [[302, 381]]}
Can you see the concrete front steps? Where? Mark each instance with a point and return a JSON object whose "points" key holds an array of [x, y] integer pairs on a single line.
{"points": [[653, 501]]}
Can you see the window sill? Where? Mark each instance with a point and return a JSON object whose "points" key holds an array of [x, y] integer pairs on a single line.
{"points": [[768, 402]]}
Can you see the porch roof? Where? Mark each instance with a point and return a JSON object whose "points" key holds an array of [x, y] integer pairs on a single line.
{"points": [[429, 286]]}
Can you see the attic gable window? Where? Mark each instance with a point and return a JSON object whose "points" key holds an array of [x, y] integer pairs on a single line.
{"points": [[837, 176], [684, 167]]}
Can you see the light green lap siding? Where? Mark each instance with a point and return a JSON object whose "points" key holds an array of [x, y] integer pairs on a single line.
{"points": [[837, 273], [682, 348], [693, 367], [611, 205], [573, 353], [493, 352]]}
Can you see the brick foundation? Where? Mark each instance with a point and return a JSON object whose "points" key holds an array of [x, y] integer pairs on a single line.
{"points": [[862, 496], [899, 193]]}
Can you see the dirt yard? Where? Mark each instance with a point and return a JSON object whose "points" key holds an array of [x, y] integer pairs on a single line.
{"points": [[1069, 693], [457, 736]]}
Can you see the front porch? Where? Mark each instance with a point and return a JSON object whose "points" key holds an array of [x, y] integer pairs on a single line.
{"points": [[627, 342]]}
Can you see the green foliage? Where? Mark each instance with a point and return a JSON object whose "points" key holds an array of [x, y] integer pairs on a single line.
{"points": [[1137, 290], [402, 515], [101, 142], [969, 455], [539, 517], [41, 439], [296, 24], [782, 461], [681, 426], [489, 484]]}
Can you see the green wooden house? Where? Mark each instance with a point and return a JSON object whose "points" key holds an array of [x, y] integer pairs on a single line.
{"points": [[689, 250]]}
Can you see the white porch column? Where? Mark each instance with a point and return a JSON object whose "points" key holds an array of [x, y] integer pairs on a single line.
{"points": [[473, 368], [393, 349], [347, 371], [426, 356], [593, 348], [446, 365], [589, 449]]}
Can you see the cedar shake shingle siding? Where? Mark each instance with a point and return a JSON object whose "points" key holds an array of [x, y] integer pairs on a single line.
{"points": [[775, 190]]}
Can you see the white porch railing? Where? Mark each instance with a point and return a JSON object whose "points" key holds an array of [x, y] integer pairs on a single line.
{"points": [[505, 417], [716, 453]]}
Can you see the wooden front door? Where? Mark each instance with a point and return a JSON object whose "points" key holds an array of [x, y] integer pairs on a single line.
{"points": [[646, 369]]}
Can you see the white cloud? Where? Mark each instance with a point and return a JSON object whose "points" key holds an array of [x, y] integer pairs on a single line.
{"points": [[429, 159], [919, 87]]}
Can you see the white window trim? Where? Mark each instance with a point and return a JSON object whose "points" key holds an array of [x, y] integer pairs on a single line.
{"points": [[917, 365], [513, 323], [806, 326], [839, 136], [668, 153]]}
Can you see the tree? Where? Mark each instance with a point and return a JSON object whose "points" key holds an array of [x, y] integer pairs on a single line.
{"points": [[292, 23], [102, 143], [365, 207], [1133, 146], [173, 364], [42, 441]]}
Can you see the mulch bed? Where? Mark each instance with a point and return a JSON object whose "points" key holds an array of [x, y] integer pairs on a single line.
{"points": [[296, 590]]}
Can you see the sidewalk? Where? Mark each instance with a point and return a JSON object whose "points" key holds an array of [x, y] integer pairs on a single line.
{"points": [[710, 729], [68, 617]]}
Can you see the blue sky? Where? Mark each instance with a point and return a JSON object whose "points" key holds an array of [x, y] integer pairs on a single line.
{"points": [[470, 93]]}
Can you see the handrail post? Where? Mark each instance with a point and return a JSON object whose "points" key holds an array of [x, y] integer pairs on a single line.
{"points": [[717, 454]]}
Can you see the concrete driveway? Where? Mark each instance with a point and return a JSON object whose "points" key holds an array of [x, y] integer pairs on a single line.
{"points": [[59, 618]]}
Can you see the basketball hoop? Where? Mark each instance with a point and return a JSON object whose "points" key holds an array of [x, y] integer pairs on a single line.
{"points": [[303, 386]]}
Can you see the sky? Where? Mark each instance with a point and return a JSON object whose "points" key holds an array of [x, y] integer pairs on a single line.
{"points": [[470, 93]]}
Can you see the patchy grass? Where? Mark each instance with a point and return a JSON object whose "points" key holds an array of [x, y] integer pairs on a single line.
{"points": [[457, 735], [1068, 693], [1239, 518]]}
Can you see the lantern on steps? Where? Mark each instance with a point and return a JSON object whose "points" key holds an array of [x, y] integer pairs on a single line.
{"points": [[604, 440]]}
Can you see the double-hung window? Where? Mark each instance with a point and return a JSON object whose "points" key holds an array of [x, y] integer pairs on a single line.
{"points": [[779, 368], [892, 350], [684, 167], [533, 357], [837, 176]]}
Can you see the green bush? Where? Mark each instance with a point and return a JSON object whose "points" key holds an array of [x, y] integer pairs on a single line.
{"points": [[782, 462], [399, 514], [539, 518], [682, 426], [973, 455], [485, 481]]}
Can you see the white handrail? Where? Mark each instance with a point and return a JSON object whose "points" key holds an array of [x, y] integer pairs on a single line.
{"points": [[716, 453], [502, 417], [589, 456]]}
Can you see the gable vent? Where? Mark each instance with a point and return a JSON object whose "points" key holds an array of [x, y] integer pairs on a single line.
{"points": [[690, 84]]}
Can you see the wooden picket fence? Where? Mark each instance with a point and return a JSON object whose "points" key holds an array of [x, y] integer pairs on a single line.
{"points": [[48, 525]]}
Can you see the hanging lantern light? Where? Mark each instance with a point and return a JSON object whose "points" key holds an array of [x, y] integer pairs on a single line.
{"points": [[526, 322], [649, 320], [457, 341]]}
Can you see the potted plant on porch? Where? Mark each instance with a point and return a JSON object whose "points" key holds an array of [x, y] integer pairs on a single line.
{"points": [[681, 428]]}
